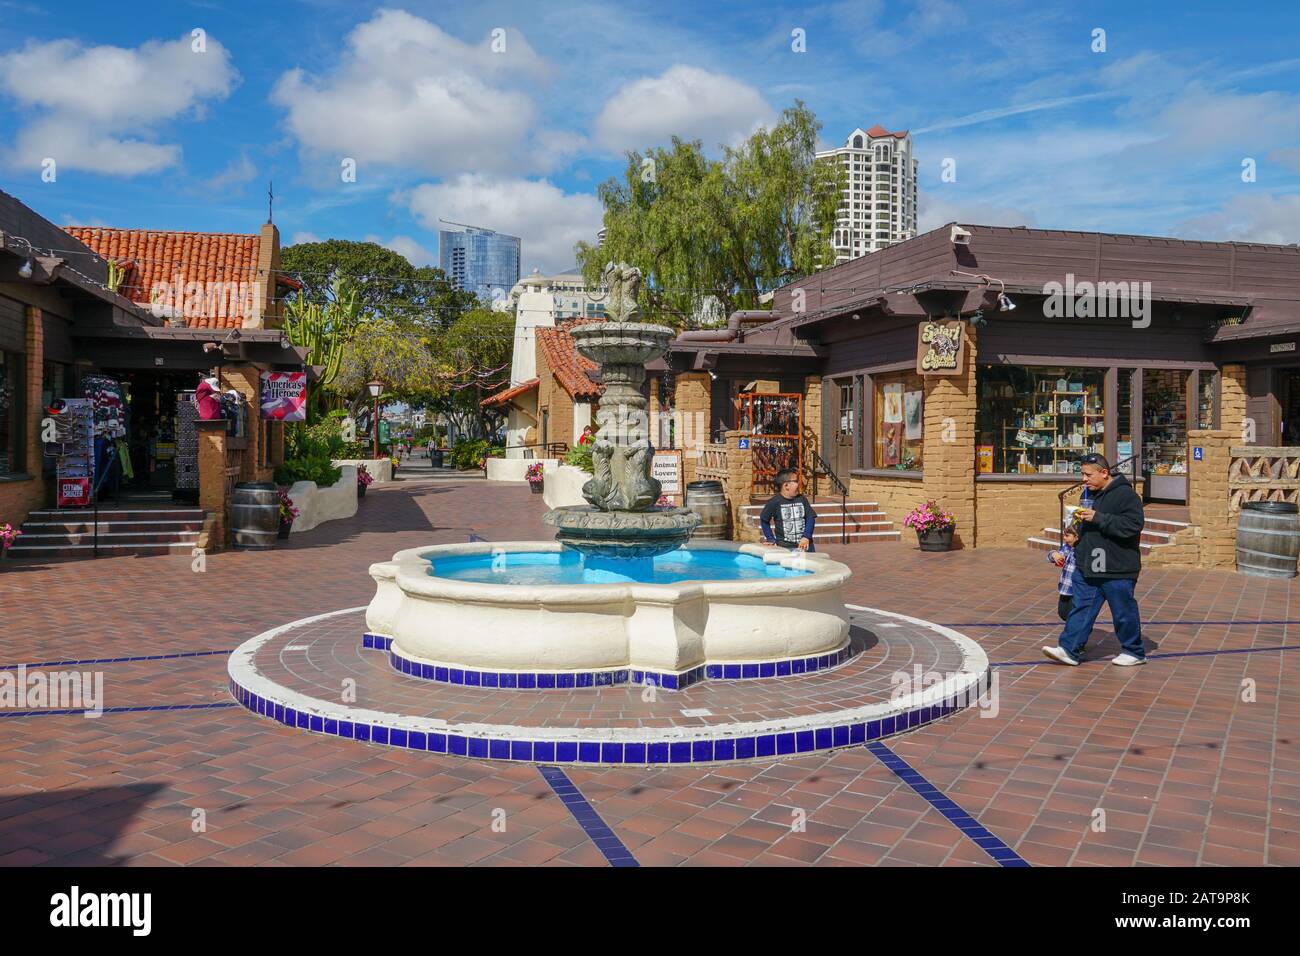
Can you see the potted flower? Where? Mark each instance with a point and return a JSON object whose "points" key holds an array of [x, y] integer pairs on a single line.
{"points": [[364, 478], [534, 477], [396, 462], [8, 535], [288, 511], [934, 526]]}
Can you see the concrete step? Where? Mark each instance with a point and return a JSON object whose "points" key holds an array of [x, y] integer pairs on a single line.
{"points": [[116, 514], [1148, 536], [34, 539], [111, 527], [1051, 544], [856, 537], [23, 550]]}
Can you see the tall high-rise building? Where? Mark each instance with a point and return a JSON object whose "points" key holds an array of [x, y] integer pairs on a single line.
{"points": [[480, 260], [878, 203]]}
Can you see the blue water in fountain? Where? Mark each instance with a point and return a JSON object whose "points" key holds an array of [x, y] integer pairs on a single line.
{"points": [[571, 567]]}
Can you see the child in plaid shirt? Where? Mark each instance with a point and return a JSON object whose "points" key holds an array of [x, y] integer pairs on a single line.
{"points": [[1064, 559]]}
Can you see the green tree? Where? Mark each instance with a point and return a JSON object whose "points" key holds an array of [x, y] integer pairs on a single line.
{"points": [[473, 359], [324, 329], [385, 282], [389, 351], [758, 217]]}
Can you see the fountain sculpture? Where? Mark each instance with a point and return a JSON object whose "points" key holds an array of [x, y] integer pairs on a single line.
{"points": [[622, 520], [619, 596]]}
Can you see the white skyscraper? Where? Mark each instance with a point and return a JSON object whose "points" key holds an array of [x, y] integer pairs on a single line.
{"points": [[878, 202]]}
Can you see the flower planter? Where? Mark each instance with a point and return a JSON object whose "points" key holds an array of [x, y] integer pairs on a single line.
{"points": [[361, 490], [935, 539], [535, 487], [285, 528]]}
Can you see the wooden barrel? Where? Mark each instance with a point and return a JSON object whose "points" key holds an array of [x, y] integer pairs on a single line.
{"points": [[706, 499], [254, 514], [1268, 539]]}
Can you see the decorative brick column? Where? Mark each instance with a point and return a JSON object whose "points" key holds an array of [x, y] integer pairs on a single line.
{"points": [[692, 395], [20, 496], [1207, 495], [740, 479], [212, 477], [247, 380], [812, 426], [1232, 401], [948, 441]]}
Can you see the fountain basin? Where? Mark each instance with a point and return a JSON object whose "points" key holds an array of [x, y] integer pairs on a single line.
{"points": [[777, 607]]}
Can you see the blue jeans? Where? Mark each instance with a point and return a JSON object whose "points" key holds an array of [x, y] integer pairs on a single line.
{"points": [[1086, 605]]}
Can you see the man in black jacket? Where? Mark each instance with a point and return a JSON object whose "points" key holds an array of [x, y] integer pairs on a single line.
{"points": [[1108, 561]]}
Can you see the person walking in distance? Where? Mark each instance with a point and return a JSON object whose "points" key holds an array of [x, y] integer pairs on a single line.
{"points": [[792, 514], [1107, 563]]}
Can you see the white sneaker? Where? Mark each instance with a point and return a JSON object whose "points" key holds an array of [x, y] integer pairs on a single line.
{"points": [[1058, 654], [1128, 660]]}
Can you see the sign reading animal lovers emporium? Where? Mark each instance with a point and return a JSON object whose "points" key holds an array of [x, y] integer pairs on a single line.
{"points": [[940, 348]]}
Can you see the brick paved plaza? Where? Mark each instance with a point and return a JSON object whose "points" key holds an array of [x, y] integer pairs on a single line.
{"points": [[1185, 769]]}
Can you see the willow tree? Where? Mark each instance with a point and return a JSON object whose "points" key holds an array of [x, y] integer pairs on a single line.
{"points": [[391, 351], [732, 228]]}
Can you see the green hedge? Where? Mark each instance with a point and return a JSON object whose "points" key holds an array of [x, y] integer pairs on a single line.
{"points": [[580, 457], [317, 468]]}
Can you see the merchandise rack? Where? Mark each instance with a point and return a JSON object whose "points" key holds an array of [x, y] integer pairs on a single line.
{"points": [[772, 451]]}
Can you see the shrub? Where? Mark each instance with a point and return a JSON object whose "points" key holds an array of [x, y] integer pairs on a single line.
{"points": [[469, 454], [580, 457], [317, 468]]}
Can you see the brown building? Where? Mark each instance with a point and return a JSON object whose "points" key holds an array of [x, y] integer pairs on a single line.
{"points": [[154, 311]]}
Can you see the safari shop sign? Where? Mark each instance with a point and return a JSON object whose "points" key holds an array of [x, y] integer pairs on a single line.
{"points": [[940, 348]]}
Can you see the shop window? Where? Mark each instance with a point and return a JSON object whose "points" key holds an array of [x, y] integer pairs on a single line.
{"points": [[1207, 399], [1164, 421], [1124, 420], [1038, 421], [899, 415], [11, 413], [56, 381]]}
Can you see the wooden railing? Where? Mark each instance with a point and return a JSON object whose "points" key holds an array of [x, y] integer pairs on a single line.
{"points": [[712, 464], [1260, 473]]}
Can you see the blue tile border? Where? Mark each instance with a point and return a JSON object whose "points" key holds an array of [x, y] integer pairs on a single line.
{"points": [[719, 747], [1002, 854], [118, 710], [597, 830], [614, 677]]}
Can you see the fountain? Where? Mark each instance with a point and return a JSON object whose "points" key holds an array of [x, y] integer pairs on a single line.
{"points": [[619, 596], [531, 651]]}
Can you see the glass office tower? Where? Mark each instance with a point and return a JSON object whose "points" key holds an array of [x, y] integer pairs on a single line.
{"points": [[480, 261]]}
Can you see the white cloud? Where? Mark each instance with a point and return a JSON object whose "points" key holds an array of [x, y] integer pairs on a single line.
{"points": [[299, 237], [236, 172], [683, 101], [547, 220], [1249, 218], [932, 213], [410, 249], [97, 108], [406, 93]]}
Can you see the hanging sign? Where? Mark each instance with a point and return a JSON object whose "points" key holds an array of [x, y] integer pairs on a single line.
{"points": [[666, 468], [73, 492], [284, 396], [940, 348]]}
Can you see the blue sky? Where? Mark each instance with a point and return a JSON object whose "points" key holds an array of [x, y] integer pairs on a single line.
{"points": [[1148, 136]]}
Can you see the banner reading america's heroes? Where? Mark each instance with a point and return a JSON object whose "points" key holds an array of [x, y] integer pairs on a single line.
{"points": [[284, 396]]}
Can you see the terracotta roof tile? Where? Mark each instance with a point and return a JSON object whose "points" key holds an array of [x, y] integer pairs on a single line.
{"points": [[501, 398], [877, 131], [569, 368], [158, 257]]}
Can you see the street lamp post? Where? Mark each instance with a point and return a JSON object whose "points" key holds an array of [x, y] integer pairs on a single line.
{"points": [[375, 389]]}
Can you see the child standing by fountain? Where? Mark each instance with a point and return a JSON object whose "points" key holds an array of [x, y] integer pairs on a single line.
{"points": [[793, 514]]}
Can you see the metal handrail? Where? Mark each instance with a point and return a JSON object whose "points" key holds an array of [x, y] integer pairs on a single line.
{"points": [[1114, 469], [840, 486], [562, 448]]}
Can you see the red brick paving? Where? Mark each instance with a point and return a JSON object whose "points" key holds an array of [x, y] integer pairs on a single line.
{"points": [[1185, 770]]}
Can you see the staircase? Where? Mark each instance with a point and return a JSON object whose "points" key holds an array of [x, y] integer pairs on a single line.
{"points": [[1156, 532], [864, 521], [55, 534]]}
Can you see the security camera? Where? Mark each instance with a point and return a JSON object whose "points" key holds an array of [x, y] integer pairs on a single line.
{"points": [[960, 236]]}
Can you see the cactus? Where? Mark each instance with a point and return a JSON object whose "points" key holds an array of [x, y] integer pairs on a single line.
{"points": [[324, 330]]}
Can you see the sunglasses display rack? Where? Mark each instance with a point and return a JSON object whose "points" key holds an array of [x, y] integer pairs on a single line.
{"points": [[774, 421]]}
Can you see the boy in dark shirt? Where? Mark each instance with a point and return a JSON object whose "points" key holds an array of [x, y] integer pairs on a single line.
{"points": [[792, 513]]}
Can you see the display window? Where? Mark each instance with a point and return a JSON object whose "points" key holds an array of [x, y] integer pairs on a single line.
{"points": [[899, 418], [1038, 420], [11, 412], [1164, 421]]}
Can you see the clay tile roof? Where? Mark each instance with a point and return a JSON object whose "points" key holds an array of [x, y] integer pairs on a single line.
{"points": [[878, 131], [158, 257], [569, 368], [502, 398]]}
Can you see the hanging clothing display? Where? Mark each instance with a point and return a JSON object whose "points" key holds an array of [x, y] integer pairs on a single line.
{"points": [[109, 404]]}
